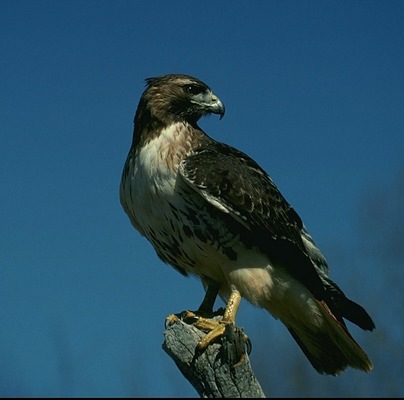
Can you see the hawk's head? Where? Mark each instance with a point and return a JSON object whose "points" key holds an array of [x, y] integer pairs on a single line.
{"points": [[173, 98]]}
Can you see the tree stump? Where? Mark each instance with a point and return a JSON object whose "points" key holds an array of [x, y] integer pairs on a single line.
{"points": [[223, 369]]}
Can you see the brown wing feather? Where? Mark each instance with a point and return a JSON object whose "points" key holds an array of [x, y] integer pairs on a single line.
{"points": [[235, 184]]}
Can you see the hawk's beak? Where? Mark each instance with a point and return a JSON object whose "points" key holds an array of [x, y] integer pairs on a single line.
{"points": [[216, 106], [209, 103]]}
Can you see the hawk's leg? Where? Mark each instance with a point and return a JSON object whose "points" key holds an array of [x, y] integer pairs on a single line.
{"points": [[217, 328], [202, 317], [208, 302], [205, 319]]}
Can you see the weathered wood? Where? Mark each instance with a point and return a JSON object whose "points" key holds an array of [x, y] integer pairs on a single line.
{"points": [[222, 370]]}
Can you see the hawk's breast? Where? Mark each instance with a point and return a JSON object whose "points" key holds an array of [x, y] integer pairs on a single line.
{"points": [[175, 219]]}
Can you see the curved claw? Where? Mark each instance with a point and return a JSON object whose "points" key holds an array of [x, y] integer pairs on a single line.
{"points": [[248, 344]]}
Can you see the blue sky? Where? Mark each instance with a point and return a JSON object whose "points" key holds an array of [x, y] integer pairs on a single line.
{"points": [[314, 92]]}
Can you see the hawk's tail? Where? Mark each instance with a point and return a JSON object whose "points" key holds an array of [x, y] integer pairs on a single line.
{"points": [[331, 349]]}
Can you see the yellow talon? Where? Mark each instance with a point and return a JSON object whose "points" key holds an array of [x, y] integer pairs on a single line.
{"points": [[217, 328]]}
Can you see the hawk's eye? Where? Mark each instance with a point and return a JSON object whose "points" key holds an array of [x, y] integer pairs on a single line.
{"points": [[193, 89]]}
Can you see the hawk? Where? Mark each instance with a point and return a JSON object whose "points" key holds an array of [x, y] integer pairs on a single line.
{"points": [[209, 209]]}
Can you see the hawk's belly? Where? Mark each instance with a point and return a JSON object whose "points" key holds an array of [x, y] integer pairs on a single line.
{"points": [[184, 234]]}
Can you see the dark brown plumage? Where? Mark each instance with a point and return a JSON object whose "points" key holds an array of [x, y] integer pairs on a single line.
{"points": [[210, 210]]}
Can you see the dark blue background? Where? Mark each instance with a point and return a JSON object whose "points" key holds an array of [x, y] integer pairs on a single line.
{"points": [[314, 92]]}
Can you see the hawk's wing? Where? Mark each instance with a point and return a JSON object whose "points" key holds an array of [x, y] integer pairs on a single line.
{"points": [[236, 185]]}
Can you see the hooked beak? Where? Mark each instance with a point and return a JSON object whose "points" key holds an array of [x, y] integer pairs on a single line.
{"points": [[209, 103], [216, 106]]}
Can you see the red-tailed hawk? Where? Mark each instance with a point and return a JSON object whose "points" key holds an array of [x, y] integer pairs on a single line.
{"points": [[210, 210]]}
